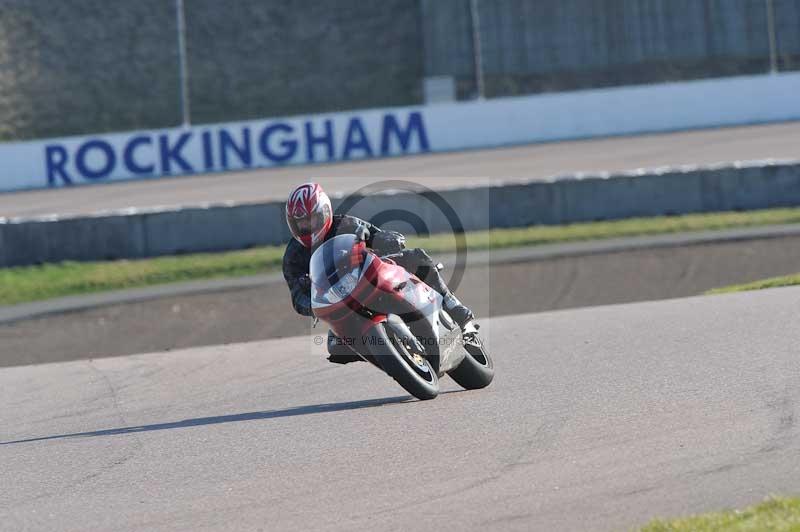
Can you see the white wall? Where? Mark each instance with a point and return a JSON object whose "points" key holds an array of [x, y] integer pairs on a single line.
{"points": [[397, 131]]}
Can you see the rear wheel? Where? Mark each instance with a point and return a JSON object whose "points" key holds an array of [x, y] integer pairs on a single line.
{"points": [[401, 361], [477, 369]]}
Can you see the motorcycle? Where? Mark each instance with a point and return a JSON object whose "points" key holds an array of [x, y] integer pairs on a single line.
{"points": [[390, 318]]}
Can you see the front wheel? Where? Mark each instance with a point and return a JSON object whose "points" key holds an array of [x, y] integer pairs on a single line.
{"points": [[400, 361], [477, 369]]}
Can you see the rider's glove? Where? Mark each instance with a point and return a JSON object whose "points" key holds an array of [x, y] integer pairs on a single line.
{"points": [[388, 242], [362, 233]]}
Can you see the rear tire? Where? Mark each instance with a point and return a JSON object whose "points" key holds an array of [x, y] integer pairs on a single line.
{"points": [[476, 371], [413, 373]]}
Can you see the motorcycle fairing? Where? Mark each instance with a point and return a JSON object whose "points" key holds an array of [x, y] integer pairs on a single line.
{"points": [[353, 289]]}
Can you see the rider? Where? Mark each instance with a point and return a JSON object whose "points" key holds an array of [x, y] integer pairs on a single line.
{"points": [[311, 220]]}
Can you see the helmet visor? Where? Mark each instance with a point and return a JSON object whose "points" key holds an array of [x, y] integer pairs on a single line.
{"points": [[307, 225]]}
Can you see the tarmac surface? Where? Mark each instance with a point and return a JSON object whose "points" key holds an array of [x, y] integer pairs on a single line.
{"points": [[599, 419], [536, 161], [498, 283]]}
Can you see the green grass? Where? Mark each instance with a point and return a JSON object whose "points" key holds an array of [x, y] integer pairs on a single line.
{"points": [[552, 234], [772, 282], [32, 283], [774, 515]]}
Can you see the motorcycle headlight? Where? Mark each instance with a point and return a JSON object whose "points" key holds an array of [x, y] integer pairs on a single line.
{"points": [[346, 285]]}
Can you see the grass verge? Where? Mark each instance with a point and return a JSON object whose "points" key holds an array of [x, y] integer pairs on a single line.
{"points": [[32, 283], [776, 515], [772, 282]]}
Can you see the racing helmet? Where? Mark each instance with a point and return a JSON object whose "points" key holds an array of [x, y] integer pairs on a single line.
{"points": [[309, 214]]}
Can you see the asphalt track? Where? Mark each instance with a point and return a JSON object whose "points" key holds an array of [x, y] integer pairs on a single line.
{"points": [[536, 161], [599, 419]]}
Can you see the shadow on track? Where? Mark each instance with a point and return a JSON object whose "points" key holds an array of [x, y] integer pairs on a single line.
{"points": [[249, 416]]}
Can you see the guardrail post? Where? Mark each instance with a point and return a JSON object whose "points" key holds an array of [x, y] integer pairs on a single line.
{"points": [[773, 40], [476, 46], [183, 73]]}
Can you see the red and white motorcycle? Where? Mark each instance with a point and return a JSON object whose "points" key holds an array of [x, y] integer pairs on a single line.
{"points": [[390, 318]]}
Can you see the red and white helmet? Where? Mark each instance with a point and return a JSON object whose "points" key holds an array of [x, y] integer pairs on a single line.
{"points": [[309, 214]]}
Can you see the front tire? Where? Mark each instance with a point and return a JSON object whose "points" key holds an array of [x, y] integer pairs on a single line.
{"points": [[411, 370]]}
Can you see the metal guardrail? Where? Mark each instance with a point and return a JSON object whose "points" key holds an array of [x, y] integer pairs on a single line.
{"points": [[666, 191]]}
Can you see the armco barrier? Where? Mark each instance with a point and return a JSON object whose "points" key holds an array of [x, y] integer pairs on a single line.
{"points": [[214, 228], [79, 239], [563, 200]]}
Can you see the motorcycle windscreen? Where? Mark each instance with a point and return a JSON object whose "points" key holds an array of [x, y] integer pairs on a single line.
{"points": [[335, 269]]}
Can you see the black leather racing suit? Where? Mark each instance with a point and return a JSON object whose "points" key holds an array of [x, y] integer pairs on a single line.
{"points": [[297, 257]]}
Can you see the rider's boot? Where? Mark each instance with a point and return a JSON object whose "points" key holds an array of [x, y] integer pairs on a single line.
{"points": [[460, 313], [340, 352]]}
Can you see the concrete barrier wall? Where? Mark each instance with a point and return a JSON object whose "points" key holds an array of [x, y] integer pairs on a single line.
{"points": [[558, 45], [80, 66], [565, 200], [398, 131], [97, 65]]}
